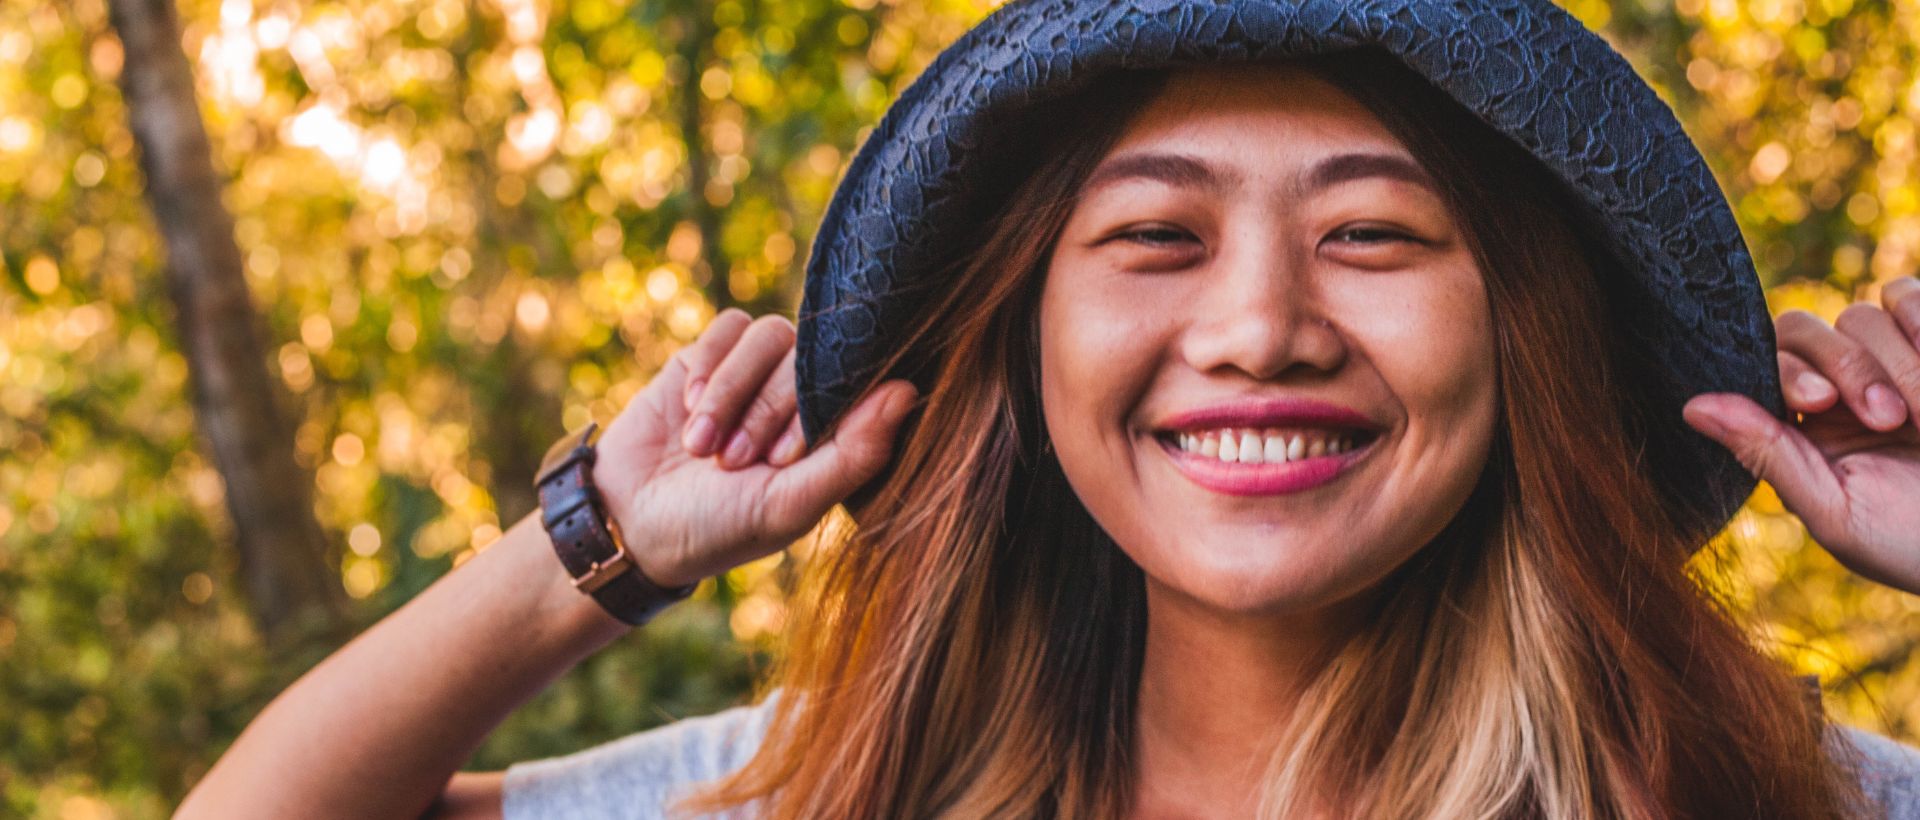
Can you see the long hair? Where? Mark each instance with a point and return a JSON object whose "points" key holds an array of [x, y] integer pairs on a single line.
{"points": [[971, 645]]}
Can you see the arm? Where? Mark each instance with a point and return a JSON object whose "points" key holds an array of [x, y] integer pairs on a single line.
{"points": [[378, 728], [470, 796]]}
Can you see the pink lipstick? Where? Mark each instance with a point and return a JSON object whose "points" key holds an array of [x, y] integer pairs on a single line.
{"points": [[1263, 476], [1234, 478]]}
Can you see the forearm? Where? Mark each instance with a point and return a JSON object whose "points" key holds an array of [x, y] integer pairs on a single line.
{"points": [[377, 728]]}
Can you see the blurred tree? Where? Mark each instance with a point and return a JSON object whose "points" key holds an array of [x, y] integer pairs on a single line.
{"points": [[269, 497], [693, 28], [466, 225]]}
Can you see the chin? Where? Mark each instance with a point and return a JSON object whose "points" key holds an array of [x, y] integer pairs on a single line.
{"points": [[1257, 579]]}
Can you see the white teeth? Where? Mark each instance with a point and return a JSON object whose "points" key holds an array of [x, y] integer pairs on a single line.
{"points": [[1250, 446], [1275, 449]]}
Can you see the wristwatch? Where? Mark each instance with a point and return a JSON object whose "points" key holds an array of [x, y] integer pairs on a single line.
{"points": [[587, 539]]}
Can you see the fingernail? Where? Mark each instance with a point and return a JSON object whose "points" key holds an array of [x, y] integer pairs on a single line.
{"points": [[902, 404], [786, 449], [739, 449], [693, 392], [1710, 425], [1812, 387], [1885, 405], [699, 437]]}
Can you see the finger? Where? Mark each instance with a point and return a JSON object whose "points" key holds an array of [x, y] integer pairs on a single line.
{"points": [[689, 366], [1901, 297], [798, 495], [1843, 361], [764, 418], [791, 444], [1874, 330], [734, 383], [1773, 451], [1807, 391]]}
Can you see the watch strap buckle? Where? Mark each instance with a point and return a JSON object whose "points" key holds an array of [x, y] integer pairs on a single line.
{"points": [[603, 572], [588, 540]]}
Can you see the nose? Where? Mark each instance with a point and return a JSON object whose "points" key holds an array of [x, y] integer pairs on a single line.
{"points": [[1261, 314]]}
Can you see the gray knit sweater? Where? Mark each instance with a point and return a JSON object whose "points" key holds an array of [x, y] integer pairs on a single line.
{"points": [[636, 776]]}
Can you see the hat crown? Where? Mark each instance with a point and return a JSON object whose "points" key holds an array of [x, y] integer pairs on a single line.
{"points": [[1528, 69]]}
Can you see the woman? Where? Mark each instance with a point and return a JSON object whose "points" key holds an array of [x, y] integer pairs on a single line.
{"points": [[1288, 443]]}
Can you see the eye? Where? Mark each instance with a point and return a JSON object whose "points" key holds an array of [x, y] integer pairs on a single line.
{"points": [[1371, 235], [1155, 236], [1152, 247]]}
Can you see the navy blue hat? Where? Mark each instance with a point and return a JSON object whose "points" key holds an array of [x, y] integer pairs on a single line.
{"points": [[1525, 67]]}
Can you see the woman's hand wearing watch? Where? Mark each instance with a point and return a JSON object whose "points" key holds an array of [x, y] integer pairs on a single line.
{"points": [[706, 469], [380, 727]]}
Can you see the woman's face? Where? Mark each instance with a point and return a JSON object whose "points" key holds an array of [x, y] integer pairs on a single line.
{"points": [[1266, 354]]}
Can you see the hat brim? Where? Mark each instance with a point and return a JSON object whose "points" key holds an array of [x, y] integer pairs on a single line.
{"points": [[1529, 70]]}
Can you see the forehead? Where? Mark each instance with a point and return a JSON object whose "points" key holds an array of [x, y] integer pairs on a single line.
{"points": [[1257, 108]]}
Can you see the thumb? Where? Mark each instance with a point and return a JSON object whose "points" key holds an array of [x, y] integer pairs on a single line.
{"points": [[1772, 450], [801, 492]]}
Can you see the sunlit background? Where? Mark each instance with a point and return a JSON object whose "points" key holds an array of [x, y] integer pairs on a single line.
{"points": [[468, 225]]}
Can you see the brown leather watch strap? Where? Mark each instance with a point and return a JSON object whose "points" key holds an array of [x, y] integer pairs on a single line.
{"points": [[587, 539]]}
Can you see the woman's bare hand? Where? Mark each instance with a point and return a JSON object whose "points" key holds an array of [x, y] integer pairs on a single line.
{"points": [[704, 469], [1850, 467]]}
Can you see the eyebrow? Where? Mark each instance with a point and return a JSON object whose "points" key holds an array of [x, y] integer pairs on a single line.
{"points": [[1184, 171], [1345, 167], [1177, 170]]}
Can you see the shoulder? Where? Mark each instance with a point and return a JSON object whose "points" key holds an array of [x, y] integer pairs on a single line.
{"points": [[637, 775], [1889, 770]]}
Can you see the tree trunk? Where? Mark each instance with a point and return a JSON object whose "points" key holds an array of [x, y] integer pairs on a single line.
{"points": [[705, 217], [294, 593], [520, 423]]}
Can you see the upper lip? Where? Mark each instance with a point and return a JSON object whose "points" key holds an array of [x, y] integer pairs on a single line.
{"points": [[1269, 412]]}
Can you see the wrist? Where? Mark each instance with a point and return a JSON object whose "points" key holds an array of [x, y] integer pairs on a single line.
{"points": [[642, 549], [587, 539], [581, 622]]}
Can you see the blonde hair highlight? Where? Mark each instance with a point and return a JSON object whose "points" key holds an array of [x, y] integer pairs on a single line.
{"points": [[972, 647]]}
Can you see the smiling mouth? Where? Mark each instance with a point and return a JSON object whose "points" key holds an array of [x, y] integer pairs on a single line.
{"points": [[1246, 462]]}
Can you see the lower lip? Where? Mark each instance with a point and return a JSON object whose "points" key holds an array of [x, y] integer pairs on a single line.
{"points": [[1233, 478]]}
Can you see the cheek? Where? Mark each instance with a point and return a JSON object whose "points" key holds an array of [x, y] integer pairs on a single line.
{"points": [[1434, 346], [1096, 356]]}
